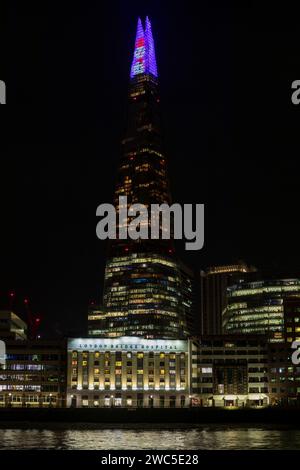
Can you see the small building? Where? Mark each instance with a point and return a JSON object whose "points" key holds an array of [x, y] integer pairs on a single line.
{"points": [[34, 374], [284, 376], [230, 371]]}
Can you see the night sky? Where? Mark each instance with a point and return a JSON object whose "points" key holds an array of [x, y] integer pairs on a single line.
{"points": [[231, 136]]}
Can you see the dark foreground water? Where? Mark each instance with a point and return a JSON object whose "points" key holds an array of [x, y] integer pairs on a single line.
{"points": [[205, 437]]}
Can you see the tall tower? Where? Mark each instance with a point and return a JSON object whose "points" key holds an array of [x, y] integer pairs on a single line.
{"points": [[143, 289], [142, 175], [213, 295]]}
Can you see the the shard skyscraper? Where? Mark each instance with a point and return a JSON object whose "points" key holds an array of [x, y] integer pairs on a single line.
{"points": [[147, 291]]}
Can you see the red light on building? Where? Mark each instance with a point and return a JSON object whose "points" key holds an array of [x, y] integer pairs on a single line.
{"points": [[140, 42]]}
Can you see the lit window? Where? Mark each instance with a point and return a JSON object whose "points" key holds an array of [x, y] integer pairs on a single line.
{"points": [[107, 401]]}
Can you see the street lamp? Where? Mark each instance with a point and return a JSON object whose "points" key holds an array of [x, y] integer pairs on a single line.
{"points": [[73, 403], [9, 399], [151, 401]]}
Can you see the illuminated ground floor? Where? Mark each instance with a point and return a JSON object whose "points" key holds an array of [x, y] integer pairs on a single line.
{"points": [[92, 399], [231, 401], [134, 399], [31, 400]]}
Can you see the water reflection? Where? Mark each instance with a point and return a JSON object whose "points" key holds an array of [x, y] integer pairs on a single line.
{"points": [[207, 437]]}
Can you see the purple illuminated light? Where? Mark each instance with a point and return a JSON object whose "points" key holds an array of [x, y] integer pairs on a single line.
{"points": [[144, 60]]}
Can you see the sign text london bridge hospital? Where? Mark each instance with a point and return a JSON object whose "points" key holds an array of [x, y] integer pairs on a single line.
{"points": [[132, 346]]}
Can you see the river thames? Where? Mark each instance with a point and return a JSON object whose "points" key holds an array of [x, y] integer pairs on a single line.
{"points": [[210, 437]]}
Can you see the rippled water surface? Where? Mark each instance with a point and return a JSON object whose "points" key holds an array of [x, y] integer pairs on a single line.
{"points": [[206, 437]]}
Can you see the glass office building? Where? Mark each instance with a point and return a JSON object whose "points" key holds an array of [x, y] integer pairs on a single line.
{"points": [[259, 307], [213, 299]]}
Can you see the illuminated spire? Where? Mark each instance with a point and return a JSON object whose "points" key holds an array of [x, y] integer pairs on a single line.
{"points": [[144, 60], [151, 66]]}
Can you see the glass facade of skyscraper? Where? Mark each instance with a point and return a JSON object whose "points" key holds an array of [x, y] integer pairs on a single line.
{"points": [[146, 292], [258, 307], [143, 292]]}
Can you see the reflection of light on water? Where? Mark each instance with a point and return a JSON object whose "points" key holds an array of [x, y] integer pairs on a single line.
{"points": [[208, 437]]}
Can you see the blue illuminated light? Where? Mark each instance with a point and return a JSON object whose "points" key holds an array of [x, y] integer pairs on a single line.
{"points": [[144, 60]]}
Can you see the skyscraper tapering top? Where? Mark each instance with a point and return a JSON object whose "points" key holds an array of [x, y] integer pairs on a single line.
{"points": [[144, 60], [146, 290]]}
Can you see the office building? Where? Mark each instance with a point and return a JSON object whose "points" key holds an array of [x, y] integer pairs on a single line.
{"points": [[214, 371], [284, 376], [229, 371], [213, 300], [291, 307], [259, 307], [34, 374]]}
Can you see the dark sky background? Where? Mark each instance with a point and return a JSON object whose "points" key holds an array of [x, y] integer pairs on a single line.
{"points": [[231, 134]]}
